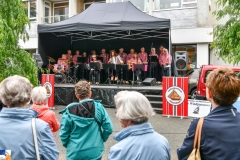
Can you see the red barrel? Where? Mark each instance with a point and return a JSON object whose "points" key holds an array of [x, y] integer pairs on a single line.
{"points": [[48, 83]]}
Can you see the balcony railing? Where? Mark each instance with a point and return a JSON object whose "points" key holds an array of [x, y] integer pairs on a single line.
{"points": [[54, 19]]}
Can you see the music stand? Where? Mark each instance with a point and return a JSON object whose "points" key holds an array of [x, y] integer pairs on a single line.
{"points": [[94, 65], [137, 68], [82, 68], [81, 59], [106, 67], [152, 59], [122, 67], [100, 59]]}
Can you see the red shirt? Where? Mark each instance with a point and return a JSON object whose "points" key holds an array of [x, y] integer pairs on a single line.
{"points": [[105, 57], [129, 56], [143, 56], [75, 58], [123, 56], [69, 56], [62, 62], [165, 59]]}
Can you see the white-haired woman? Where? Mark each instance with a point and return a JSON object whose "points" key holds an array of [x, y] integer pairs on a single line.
{"points": [[16, 127], [137, 140], [39, 97]]}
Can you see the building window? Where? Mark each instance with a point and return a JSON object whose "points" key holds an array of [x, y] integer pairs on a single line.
{"points": [[140, 4], [173, 4], [189, 3], [192, 54], [47, 12], [31, 9], [86, 5], [61, 11]]}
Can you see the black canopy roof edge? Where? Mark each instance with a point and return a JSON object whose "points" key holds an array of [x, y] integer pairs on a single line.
{"points": [[107, 17]]}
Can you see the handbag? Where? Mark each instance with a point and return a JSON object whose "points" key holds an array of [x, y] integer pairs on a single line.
{"points": [[195, 154], [35, 138]]}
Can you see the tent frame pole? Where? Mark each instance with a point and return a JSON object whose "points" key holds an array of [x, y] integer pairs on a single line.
{"points": [[169, 52]]}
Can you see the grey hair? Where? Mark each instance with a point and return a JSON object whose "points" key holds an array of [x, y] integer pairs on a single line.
{"points": [[134, 106], [119, 95], [15, 91], [39, 95]]}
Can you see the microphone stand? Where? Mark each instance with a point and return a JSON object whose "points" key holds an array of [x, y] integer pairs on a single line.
{"points": [[109, 80], [150, 62], [153, 71], [121, 76], [93, 81], [150, 74]]}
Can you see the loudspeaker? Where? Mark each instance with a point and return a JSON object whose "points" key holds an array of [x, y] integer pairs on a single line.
{"points": [[181, 60], [149, 82]]}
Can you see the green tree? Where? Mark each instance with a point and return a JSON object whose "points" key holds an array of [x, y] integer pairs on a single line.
{"points": [[13, 59], [227, 36]]}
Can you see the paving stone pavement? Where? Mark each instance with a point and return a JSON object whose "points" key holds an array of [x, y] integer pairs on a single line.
{"points": [[174, 129]]}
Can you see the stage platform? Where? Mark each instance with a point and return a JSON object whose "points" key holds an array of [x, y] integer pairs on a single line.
{"points": [[64, 93]]}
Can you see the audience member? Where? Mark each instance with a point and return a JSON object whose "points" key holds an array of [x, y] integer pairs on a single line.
{"points": [[16, 123], [221, 128], [85, 126], [137, 140], [39, 97]]}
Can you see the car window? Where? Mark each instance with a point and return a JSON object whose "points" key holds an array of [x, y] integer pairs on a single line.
{"points": [[207, 73], [238, 73]]}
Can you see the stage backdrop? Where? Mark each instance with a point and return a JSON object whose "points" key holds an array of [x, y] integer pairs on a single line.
{"points": [[175, 96]]}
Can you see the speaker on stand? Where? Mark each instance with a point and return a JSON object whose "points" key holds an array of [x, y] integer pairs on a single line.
{"points": [[181, 61]]}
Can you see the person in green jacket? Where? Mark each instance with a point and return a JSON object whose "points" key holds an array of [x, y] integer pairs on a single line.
{"points": [[85, 126]]}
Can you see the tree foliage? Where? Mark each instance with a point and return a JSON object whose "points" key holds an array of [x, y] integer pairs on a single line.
{"points": [[227, 36], [13, 59]]}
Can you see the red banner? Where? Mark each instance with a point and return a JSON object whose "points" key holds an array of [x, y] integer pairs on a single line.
{"points": [[175, 96], [48, 84]]}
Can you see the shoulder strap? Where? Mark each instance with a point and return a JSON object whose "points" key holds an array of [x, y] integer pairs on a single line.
{"points": [[198, 132], [99, 124], [35, 138]]}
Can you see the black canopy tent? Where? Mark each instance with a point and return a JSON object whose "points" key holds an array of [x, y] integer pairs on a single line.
{"points": [[104, 25]]}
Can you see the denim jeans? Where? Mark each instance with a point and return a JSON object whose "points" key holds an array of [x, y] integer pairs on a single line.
{"points": [[166, 71]]}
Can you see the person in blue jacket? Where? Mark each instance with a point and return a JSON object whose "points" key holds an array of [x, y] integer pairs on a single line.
{"points": [[237, 103], [15, 123], [137, 140], [85, 126], [220, 139]]}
